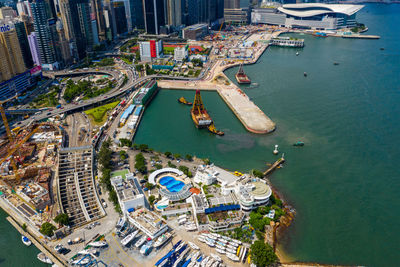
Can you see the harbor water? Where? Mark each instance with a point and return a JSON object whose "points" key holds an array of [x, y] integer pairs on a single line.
{"points": [[344, 182]]}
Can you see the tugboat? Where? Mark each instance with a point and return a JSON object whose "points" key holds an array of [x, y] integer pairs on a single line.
{"points": [[213, 130], [183, 100], [298, 143], [241, 77]]}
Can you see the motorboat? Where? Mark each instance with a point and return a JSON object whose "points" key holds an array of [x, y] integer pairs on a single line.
{"points": [[91, 251], [43, 258], [216, 257], [220, 251], [129, 238], [193, 245], [140, 241], [26, 241], [162, 239], [98, 244], [145, 248], [232, 257]]}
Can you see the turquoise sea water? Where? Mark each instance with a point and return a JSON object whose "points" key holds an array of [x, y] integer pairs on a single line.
{"points": [[344, 182]]}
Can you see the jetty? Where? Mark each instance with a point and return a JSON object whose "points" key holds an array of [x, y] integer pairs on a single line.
{"points": [[275, 165]]}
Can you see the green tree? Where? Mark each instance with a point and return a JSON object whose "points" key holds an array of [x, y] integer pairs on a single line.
{"points": [[149, 185], [47, 229], [168, 154], [188, 157], [171, 165], [151, 199], [258, 173], [177, 155], [123, 155], [140, 163], [24, 227], [262, 254], [62, 219], [143, 147]]}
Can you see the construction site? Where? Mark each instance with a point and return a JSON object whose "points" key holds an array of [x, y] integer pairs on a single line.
{"points": [[76, 186]]}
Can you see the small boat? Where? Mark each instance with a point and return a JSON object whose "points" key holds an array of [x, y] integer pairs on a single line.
{"points": [[216, 257], [305, 74], [26, 241], [98, 244], [232, 257], [43, 258], [183, 100], [162, 239], [145, 249], [140, 241], [191, 227], [91, 251], [82, 261], [298, 143], [382, 48], [275, 150], [297, 53], [335, 63], [193, 245], [220, 251], [129, 238]]}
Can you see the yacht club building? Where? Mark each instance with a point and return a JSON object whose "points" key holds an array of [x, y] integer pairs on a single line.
{"points": [[316, 16]]}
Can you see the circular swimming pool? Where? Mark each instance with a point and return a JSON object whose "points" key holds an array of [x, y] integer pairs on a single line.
{"points": [[171, 183]]}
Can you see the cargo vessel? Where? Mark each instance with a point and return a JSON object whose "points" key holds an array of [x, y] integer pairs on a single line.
{"points": [[241, 77], [199, 114]]}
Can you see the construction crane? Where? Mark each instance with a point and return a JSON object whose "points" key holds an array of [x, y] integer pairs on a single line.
{"points": [[9, 135]]}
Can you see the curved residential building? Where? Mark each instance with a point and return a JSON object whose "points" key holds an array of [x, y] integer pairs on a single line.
{"points": [[253, 194], [316, 16]]}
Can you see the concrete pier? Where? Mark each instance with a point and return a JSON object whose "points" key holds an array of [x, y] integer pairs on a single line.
{"points": [[251, 116]]}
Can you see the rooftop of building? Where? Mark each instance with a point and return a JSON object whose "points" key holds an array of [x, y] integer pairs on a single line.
{"points": [[148, 220], [314, 9], [260, 189], [196, 26], [126, 185]]}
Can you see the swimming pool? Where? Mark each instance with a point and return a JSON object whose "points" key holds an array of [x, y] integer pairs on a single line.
{"points": [[171, 183]]}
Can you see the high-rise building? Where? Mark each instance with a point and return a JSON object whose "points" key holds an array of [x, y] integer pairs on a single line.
{"points": [[95, 33], [77, 25], [174, 11], [231, 4], [7, 11], [34, 47], [23, 43], [136, 7], [21, 8], [150, 50], [154, 15], [64, 44], [204, 11], [119, 15], [11, 61], [28, 8], [44, 35], [97, 9]]}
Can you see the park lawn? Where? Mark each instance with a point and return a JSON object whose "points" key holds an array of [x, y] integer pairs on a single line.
{"points": [[98, 115], [168, 50]]}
